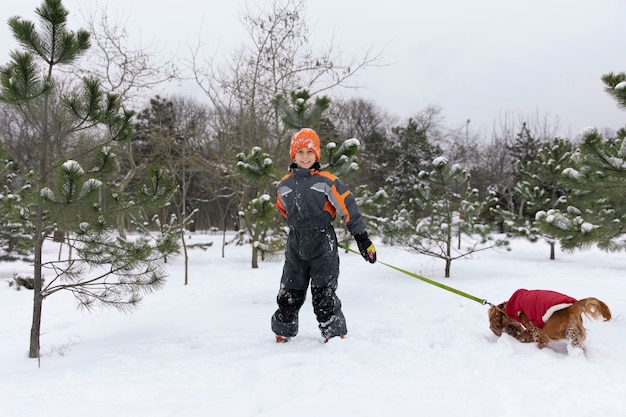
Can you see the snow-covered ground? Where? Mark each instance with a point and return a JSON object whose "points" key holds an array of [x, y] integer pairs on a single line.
{"points": [[206, 349]]}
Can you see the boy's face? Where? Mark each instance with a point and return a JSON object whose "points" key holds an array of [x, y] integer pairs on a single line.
{"points": [[305, 158]]}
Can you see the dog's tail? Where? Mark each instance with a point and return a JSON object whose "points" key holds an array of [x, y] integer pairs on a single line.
{"points": [[593, 308]]}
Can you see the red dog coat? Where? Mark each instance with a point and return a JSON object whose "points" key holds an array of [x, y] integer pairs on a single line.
{"points": [[538, 305]]}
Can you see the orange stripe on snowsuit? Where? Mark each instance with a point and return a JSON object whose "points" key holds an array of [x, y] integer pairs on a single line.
{"points": [[330, 208], [279, 205], [279, 202], [338, 199], [341, 200]]}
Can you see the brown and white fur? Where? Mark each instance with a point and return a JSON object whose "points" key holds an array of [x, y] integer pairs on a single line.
{"points": [[563, 325]]}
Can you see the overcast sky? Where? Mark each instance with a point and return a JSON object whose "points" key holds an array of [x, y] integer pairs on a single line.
{"points": [[482, 60]]}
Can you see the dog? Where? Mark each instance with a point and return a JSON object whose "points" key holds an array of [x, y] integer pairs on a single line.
{"points": [[543, 316]]}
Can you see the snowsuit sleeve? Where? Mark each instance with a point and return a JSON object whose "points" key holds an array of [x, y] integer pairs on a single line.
{"points": [[345, 204]]}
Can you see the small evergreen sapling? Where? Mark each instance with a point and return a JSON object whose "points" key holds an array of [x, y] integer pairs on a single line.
{"points": [[442, 218]]}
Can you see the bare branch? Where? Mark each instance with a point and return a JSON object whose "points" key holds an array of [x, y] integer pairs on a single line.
{"points": [[131, 71]]}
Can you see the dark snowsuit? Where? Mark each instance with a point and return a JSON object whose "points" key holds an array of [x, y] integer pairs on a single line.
{"points": [[309, 199]]}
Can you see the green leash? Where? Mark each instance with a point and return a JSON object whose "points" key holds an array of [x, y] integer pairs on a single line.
{"points": [[430, 281]]}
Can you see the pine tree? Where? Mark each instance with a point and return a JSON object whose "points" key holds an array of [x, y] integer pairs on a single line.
{"points": [[372, 205], [595, 212], [15, 243], [540, 188], [442, 216], [100, 266], [297, 112], [260, 217], [615, 86], [411, 152], [525, 147], [61, 195]]}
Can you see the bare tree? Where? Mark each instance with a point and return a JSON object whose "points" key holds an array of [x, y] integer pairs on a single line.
{"points": [[494, 168], [277, 60], [133, 71], [173, 133]]}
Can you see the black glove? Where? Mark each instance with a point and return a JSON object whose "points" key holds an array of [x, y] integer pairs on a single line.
{"points": [[366, 247]]}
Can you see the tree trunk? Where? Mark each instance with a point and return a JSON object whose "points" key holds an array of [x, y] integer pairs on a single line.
{"points": [[551, 251], [255, 257], [449, 248], [186, 255], [35, 329], [223, 239]]}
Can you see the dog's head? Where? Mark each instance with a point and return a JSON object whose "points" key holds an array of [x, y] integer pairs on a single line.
{"points": [[498, 318]]}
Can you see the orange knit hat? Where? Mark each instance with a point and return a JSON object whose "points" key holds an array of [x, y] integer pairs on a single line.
{"points": [[305, 138]]}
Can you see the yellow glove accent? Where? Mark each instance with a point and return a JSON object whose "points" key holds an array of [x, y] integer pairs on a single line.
{"points": [[371, 252]]}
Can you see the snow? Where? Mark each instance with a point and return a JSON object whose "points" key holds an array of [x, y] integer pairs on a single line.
{"points": [[352, 142], [588, 130], [412, 349], [587, 227], [572, 173], [439, 161], [73, 166]]}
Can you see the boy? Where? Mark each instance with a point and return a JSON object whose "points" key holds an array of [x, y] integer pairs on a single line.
{"points": [[309, 199]]}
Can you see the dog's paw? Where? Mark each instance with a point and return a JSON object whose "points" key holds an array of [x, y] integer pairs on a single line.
{"points": [[575, 337], [541, 339], [576, 351]]}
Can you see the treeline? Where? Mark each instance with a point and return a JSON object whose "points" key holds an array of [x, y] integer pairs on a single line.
{"points": [[272, 87]]}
